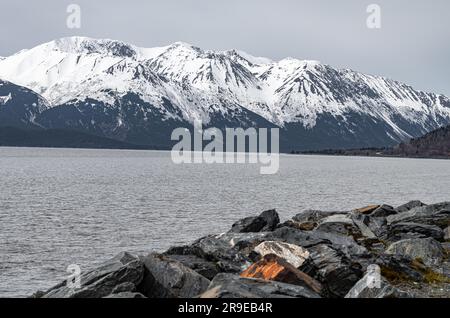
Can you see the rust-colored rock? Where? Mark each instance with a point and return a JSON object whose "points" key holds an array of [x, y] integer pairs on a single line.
{"points": [[272, 267], [368, 209]]}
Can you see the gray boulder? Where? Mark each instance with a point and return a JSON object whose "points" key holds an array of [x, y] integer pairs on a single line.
{"points": [[313, 238], [166, 278], [428, 250], [338, 223], [100, 282], [333, 269], [266, 221], [229, 252], [293, 254], [408, 206], [434, 214], [447, 233], [297, 237], [208, 269], [233, 286], [400, 231]]}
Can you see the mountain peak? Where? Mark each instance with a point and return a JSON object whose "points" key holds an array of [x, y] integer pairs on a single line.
{"points": [[85, 45]]}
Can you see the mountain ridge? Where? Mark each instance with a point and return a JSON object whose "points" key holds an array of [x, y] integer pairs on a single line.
{"points": [[181, 83]]}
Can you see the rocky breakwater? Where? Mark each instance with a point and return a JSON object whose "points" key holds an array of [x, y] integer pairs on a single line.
{"points": [[373, 252]]}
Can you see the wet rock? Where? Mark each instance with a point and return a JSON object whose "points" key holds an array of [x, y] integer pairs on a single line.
{"points": [[293, 254], [382, 289], [233, 286], [408, 206], [272, 267], [428, 250], [400, 231], [434, 214], [383, 211], [333, 269], [166, 278], [100, 282], [266, 221], [126, 295], [314, 215]]}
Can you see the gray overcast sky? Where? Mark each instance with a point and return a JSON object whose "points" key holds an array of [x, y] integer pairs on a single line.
{"points": [[412, 46]]}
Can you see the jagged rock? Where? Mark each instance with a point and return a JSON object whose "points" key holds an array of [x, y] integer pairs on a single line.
{"points": [[203, 267], [400, 231], [126, 295], [378, 226], [434, 214], [266, 221], [408, 206], [272, 267], [428, 250], [312, 238], [293, 254], [333, 269], [383, 211], [229, 251], [364, 289], [166, 278], [233, 286], [367, 210], [447, 233], [361, 222], [345, 244], [100, 282], [314, 215]]}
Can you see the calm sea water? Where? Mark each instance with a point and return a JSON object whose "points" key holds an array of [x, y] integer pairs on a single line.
{"points": [[67, 206]]}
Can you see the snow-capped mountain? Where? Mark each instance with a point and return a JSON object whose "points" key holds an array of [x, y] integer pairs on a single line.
{"points": [[122, 91]]}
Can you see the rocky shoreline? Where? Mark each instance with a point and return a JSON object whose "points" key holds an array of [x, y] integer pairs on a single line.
{"points": [[373, 252]]}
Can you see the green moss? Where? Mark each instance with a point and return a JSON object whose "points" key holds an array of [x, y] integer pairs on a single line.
{"points": [[394, 276]]}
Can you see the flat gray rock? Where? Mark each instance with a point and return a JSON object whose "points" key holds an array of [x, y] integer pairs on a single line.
{"points": [[428, 250], [233, 286]]}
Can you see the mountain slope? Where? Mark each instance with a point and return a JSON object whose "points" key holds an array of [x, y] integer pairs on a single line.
{"points": [[19, 106], [434, 144], [139, 95]]}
